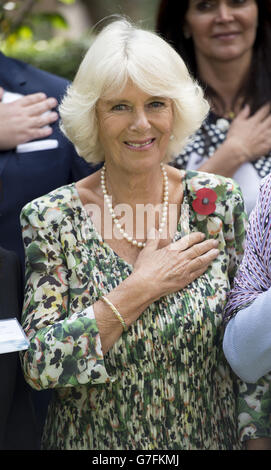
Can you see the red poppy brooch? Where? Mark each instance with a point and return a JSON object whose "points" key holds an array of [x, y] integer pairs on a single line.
{"points": [[205, 201]]}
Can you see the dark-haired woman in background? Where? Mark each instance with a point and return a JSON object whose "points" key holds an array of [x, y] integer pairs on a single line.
{"points": [[226, 45]]}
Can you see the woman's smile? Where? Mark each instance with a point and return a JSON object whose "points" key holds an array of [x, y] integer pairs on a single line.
{"points": [[226, 35], [140, 145]]}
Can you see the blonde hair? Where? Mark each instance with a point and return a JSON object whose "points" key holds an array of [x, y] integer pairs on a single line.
{"points": [[119, 52]]}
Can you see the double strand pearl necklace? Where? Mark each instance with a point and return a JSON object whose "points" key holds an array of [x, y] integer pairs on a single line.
{"points": [[115, 219]]}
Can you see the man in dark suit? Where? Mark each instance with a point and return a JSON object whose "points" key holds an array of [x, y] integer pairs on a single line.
{"points": [[17, 422], [35, 158], [30, 169]]}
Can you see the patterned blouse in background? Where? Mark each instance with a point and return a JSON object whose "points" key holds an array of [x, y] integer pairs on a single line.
{"points": [[165, 384], [203, 145], [254, 277]]}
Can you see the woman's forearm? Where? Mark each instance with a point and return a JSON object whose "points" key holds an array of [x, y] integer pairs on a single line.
{"points": [[225, 161], [76, 344], [130, 298], [247, 340], [248, 138]]}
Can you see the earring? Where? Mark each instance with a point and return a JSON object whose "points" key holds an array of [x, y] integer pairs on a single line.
{"points": [[171, 137]]}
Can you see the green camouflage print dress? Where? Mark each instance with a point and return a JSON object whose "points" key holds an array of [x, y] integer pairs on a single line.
{"points": [[165, 383]]}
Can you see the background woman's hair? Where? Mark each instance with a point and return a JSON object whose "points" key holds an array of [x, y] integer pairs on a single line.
{"points": [[256, 90], [119, 52]]}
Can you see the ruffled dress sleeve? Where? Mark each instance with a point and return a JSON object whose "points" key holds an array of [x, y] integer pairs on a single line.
{"points": [[65, 346]]}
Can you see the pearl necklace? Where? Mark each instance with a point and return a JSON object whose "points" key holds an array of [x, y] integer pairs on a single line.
{"points": [[162, 220]]}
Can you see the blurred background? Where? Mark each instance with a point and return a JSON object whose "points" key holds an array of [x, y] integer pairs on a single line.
{"points": [[54, 34]]}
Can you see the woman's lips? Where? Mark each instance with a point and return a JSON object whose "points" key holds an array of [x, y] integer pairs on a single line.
{"points": [[139, 145], [226, 36]]}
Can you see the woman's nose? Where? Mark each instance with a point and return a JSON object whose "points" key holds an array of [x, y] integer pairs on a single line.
{"points": [[140, 121], [224, 13]]}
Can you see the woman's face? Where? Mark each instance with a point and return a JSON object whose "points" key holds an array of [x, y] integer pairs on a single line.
{"points": [[222, 30], [134, 128]]}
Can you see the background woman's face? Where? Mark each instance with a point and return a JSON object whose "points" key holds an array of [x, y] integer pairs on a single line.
{"points": [[222, 30]]}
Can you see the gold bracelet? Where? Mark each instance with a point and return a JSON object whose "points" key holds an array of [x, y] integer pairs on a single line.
{"points": [[116, 312]]}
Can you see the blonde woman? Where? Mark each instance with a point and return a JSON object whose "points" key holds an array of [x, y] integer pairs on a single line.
{"points": [[128, 269]]}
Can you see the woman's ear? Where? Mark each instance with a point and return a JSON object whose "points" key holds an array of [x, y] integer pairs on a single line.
{"points": [[186, 31]]}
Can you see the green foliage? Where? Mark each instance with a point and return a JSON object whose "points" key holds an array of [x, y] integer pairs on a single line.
{"points": [[30, 36], [67, 2], [52, 19], [18, 18], [59, 56]]}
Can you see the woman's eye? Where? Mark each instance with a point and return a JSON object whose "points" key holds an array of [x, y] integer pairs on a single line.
{"points": [[238, 2], [119, 107], [204, 5], [156, 104]]}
